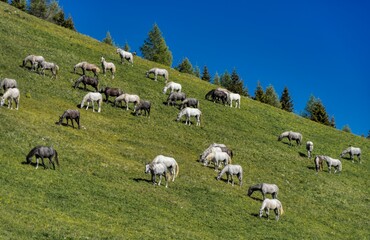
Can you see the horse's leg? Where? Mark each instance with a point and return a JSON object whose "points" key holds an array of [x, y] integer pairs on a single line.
{"points": [[88, 103], [52, 162], [276, 210], [78, 122], [43, 163], [160, 179], [267, 211], [37, 162], [166, 178], [153, 178], [261, 212], [92, 103], [263, 195]]}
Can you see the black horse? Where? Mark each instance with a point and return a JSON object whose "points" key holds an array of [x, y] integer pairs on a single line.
{"points": [[70, 115], [43, 152], [217, 95], [94, 82], [142, 105], [111, 92]]}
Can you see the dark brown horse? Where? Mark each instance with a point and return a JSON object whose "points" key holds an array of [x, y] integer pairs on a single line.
{"points": [[111, 92], [70, 115], [94, 82]]}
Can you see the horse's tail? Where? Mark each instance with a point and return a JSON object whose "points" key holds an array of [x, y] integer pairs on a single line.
{"points": [[56, 157], [281, 209], [340, 167], [229, 160], [177, 169]]}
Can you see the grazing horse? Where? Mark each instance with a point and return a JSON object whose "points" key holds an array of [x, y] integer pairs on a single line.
{"points": [[157, 169], [108, 66], [234, 97], [217, 158], [43, 152], [114, 92], [49, 66], [211, 149], [173, 86], [170, 163], [291, 136], [94, 82], [190, 102], [125, 55], [85, 66], [10, 95], [34, 60], [309, 148], [91, 97], [127, 98], [231, 170], [264, 188], [158, 71], [188, 112], [7, 83], [142, 106], [217, 95], [352, 151], [274, 204], [319, 162], [174, 96], [70, 115], [337, 164]]}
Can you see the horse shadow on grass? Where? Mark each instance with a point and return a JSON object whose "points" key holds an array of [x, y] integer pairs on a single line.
{"points": [[141, 180], [301, 154]]}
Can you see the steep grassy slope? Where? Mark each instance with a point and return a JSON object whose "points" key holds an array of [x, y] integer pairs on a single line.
{"points": [[100, 190]]}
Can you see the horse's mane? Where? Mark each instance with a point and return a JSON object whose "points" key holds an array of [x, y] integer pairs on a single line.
{"points": [[256, 187], [32, 152]]}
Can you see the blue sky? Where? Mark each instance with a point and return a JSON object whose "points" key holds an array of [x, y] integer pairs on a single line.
{"points": [[319, 48]]}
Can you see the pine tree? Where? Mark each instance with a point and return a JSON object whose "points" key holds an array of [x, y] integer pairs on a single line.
{"points": [[259, 94], [126, 47], [307, 112], [108, 39], [236, 84], [155, 48], [205, 75], [346, 128], [68, 23], [185, 66], [216, 79], [38, 8], [271, 97], [52, 10], [59, 18], [319, 114], [197, 72], [332, 122], [368, 135], [225, 79], [20, 4], [286, 101]]}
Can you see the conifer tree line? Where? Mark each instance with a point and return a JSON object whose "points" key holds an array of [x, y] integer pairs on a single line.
{"points": [[45, 9]]}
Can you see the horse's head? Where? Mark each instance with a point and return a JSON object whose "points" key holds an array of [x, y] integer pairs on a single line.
{"points": [[250, 191], [147, 168], [102, 59]]}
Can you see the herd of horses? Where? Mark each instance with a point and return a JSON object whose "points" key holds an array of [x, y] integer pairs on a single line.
{"points": [[163, 166]]}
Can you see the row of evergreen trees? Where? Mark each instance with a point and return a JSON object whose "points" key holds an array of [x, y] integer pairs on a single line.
{"points": [[46, 9]]}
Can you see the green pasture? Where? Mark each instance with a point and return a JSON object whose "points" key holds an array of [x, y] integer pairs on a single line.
{"points": [[100, 191]]}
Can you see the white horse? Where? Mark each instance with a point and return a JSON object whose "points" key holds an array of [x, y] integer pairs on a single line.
{"points": [[309, 148], [170, 163], [157, 169], [291, 136], [49, 66], [7, 83], [337, 164], [173, 86], [231, 170], [211, 149], [264, 188], [188, 112], [34, 60], [127, 98], [158, 71], [91, 97], [274, 204], [234, 97], [125, 55], [217, 158], [108, 66], [11, 94], [352, 151]]}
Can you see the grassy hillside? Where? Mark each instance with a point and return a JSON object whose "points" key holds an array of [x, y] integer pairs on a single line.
{"points": [[100, 190]]}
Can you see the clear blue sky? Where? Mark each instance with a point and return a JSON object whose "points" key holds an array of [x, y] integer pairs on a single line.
{"points": [[312, 47]]}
